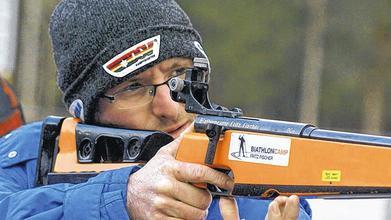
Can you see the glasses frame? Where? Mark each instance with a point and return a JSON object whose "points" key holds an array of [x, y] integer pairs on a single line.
{"points": [[112, 97]]}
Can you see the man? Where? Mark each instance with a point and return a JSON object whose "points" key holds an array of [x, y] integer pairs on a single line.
{"points": [[114, 58]]}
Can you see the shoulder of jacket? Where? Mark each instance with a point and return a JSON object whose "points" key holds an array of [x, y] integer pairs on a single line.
{"points": [[20, 145]]}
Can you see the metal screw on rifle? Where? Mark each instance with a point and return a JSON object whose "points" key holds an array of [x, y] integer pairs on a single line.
{"points": [[212, 129], [134, 148], [210, 133], [85, 149]]}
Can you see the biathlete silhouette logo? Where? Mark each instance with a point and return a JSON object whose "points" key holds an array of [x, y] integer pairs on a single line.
{"points": [[241, 153]]}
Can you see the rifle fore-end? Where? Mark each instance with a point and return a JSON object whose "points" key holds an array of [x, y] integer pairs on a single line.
{"points": [[301, 166]]}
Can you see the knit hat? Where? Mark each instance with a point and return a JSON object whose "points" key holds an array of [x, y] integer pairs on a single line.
{"points": [[98, 44]]}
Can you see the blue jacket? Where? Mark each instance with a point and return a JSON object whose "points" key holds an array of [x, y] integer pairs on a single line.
{"points": [[102, 197]]}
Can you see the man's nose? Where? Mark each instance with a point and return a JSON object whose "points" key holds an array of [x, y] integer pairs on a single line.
{"points": [[162, 104]]}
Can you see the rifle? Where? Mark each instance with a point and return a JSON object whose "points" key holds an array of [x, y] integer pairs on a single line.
{"points": [[265, 157]]}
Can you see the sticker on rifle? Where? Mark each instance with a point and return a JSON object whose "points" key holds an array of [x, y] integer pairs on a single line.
{"points": [[259, 149], [134, 57], [331, 175]]}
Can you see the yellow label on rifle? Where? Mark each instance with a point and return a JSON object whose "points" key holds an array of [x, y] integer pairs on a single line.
{"points": [[331, 175]]}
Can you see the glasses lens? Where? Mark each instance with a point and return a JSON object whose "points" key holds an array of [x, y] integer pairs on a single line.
{"points": [[134, 98], [180, 73]]}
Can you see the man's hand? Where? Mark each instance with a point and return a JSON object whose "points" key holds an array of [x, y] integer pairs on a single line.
{"points": [[163, 188], [283, 208]]}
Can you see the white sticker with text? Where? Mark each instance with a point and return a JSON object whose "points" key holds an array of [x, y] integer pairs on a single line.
{"points": [[259, 149]]}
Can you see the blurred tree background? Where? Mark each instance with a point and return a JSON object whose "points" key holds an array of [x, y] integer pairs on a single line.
{"points": [[324, 62], [264, 52]]}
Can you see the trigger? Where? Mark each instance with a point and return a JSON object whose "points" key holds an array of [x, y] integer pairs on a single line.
{"points": [[216, 191]]}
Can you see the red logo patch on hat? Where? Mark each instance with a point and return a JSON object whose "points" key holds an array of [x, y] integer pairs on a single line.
{"points": [[134, 57]]}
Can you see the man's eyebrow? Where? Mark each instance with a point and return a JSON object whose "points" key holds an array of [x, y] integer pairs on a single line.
{"points": [[135, 78], [169, 67], [172, 67], [175, 66]]}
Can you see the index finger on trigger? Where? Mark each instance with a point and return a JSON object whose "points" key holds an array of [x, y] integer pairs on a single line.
{"points": [[197, 173]]}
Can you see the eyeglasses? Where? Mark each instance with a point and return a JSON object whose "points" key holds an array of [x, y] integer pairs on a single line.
{"points": [[135, 94]]}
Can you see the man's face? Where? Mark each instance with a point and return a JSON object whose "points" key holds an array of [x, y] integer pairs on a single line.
{"points": [[161, 113]]}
